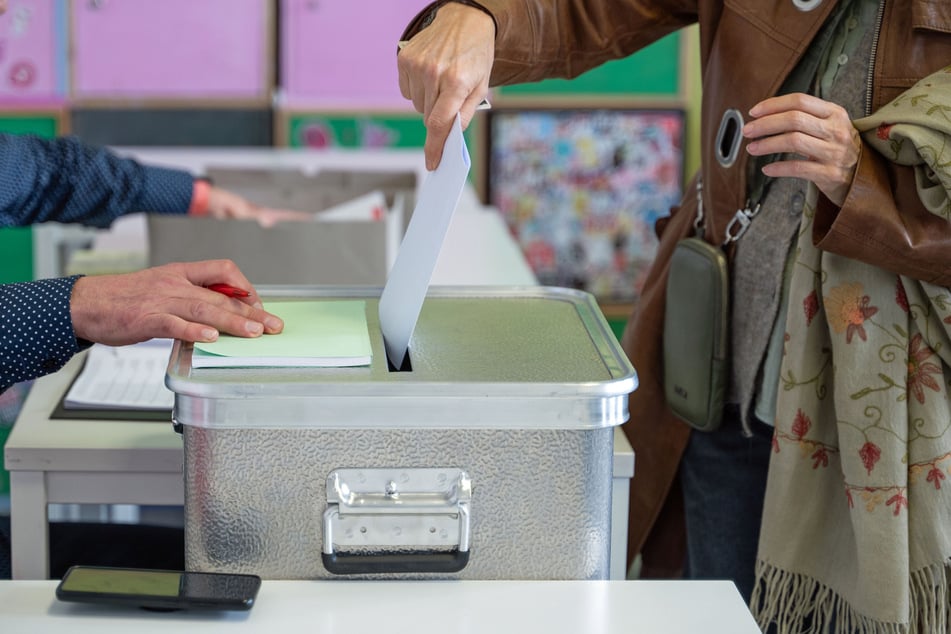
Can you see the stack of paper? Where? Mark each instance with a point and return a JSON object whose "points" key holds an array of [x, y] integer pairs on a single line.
{"points": [[317, 333], [123, 377]]}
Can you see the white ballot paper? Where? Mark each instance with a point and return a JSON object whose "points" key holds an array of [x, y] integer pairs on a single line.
{"points": [[123, 377], [406, 285]]}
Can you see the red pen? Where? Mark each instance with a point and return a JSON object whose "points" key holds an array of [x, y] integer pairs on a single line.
{"points": [[229, 290]]}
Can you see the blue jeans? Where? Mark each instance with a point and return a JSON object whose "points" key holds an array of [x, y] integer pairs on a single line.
{"points": [[723, 476]]}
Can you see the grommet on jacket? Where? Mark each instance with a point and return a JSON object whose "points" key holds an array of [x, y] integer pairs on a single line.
{"points": [[806, 5], [729, 137]]}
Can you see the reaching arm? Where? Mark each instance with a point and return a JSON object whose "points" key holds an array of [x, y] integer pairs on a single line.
{"points": [[456, 50], [44, 323], [65, 180]]}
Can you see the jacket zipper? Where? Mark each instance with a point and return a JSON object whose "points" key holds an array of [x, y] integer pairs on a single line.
{"points": [[871, 59]]}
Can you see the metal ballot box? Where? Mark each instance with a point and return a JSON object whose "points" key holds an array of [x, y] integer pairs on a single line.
{"points": [[491, 458]]}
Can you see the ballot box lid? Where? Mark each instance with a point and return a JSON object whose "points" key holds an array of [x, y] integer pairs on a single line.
{"points": [[480, 357]]}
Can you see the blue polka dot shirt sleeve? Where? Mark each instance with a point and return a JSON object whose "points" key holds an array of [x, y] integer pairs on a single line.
{"points": [[36, 330], [66, 180]]}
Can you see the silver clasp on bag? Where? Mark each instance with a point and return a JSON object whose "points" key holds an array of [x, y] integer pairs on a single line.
{"points": [[740, 222], [698, 221]]}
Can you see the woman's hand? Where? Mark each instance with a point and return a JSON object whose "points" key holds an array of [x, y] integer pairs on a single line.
{"points": [[445, 69], [819, 132]]}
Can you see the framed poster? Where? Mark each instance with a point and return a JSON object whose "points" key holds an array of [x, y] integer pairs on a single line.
{"points": [[581, 188], [323, 130]]}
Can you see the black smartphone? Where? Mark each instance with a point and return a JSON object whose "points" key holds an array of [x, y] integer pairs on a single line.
{"points": [[159, 589]]}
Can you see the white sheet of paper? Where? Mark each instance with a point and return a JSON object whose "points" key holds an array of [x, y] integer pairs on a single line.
{"points": [[124, 377], [369, 207], [406, 285]]}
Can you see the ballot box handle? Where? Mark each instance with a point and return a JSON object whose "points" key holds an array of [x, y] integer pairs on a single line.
{"points": [[384, 563], [396, 520]]}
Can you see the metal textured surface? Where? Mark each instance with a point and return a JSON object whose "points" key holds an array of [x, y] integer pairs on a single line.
{"points": [[518, 387], [541, 499], [493, 357], [511, 339]]}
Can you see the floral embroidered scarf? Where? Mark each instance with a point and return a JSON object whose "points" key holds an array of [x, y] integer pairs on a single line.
{"points": [[856, 532]]}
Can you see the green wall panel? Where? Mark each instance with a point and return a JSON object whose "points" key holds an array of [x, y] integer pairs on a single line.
{"points": [[653, 71], [16, 247], [323, 131], [40, 125], [329, 131], [318, 130], [16, 244]]}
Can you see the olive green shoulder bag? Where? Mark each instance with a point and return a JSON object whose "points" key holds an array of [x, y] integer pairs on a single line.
{"points": [[696, 323]]}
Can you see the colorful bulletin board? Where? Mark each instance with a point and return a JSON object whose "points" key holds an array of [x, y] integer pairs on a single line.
{"points": [[581, 188]]}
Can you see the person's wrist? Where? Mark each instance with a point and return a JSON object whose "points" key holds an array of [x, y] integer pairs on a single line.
{"points": [[474, 5], [426, 17], [75, 313], [201, 192]]}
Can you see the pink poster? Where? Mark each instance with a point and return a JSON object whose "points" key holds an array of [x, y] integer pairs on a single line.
{"points": [[342, 53], [170, 49], [31, 59]]}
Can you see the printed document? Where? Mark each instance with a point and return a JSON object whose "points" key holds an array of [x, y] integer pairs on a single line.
{"points": [[123, 377]]}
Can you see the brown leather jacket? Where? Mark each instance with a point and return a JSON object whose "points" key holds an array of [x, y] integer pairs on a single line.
{"points": [[747, 49]]}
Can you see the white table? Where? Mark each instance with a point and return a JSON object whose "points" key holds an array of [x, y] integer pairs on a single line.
{"points": [[140, 462], [80, 462], [408, 607]]}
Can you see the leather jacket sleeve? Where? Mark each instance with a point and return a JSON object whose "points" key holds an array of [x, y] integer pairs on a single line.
{"points": [[882, 222], [541, 39]]}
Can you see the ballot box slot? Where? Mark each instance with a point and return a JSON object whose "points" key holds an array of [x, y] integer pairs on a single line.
{"points": [[407, 365]]}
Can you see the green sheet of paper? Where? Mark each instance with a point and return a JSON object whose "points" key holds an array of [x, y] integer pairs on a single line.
{"points": [[329, 333]]}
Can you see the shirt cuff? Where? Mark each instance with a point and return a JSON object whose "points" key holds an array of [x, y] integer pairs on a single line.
{"points": [[165, 190], [36, 332]]}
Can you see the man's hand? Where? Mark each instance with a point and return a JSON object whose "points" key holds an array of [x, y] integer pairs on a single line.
{"points": [[819, 131], [168, 301], [445, 69], [225, 204]]}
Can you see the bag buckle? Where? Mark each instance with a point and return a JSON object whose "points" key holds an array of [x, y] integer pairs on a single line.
{"points": [[740, 223]]}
